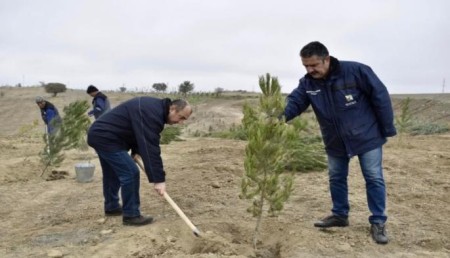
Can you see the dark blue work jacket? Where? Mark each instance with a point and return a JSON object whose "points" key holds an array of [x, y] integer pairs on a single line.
{"points": [[100, 105], [51, 118], [352, 106], [135, 124]]}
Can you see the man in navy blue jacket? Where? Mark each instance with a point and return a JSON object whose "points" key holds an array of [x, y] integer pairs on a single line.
{"points": [[133, 125], [355, 115], [100, 102]]}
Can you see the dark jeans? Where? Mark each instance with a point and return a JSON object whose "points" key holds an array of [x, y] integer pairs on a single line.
{"points": [[120, 172], [371, 166]]}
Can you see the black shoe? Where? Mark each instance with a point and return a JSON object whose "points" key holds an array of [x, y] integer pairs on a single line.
{"points": [[332, 221], [137, 221], [115, 212], [378, 232]]}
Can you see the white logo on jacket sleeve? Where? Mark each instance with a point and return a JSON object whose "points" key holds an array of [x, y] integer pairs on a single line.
{"points": [[312, 92], [348, 98]]}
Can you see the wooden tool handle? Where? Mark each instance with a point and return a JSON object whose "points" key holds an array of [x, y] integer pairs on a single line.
{"points": [[181, 214], [174, 206]]}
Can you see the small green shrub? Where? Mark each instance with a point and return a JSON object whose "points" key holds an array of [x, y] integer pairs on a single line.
{"points": [[170, 133], [306, 154], [305, 151], [55, 88], [404, 120], [428, 129], [235, 132]]}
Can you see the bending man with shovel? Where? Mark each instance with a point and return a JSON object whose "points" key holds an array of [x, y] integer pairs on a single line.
{"points": [[133, 125]]}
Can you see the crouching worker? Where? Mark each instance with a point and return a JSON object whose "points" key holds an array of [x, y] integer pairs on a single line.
{"points": [[133, 125], [49, 114]]}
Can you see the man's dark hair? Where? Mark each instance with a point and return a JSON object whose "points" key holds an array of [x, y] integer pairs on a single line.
{"points": [[91, 89], [179, 104], [314, 48]]}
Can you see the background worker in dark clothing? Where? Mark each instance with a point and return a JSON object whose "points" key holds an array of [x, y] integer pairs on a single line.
{"points": [[49, 114], [133, 125], [354, 111], [100, 102]]}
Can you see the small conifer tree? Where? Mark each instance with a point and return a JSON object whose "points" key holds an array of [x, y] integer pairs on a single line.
{"points": [[404, 120], [71, 134], [75, 125], [52, 155], [264, 180]]}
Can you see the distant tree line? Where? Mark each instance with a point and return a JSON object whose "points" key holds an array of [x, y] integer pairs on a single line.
{"points": [[184, 88]]}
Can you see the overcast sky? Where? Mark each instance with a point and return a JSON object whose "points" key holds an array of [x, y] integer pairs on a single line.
{"points": [[226, 43]]}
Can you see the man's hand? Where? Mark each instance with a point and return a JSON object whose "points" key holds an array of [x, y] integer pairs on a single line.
{"points": [[160, 188]]}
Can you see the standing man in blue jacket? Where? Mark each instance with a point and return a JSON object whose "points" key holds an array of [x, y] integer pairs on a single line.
{"points": [[355, 115], [49, 114], [100, 102], [133, 125]]}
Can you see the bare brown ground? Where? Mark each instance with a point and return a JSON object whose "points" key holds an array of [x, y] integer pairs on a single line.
{"points": [[40, 218]]}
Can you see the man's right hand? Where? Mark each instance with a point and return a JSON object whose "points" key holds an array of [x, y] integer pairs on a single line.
{"points": [[136, 157], [160, 188]]}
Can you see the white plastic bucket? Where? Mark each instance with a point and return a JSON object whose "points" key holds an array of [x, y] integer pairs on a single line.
{"points": [[84, 172]]}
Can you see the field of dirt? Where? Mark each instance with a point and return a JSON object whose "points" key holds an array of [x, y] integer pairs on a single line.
{"points": [[41, 217]]}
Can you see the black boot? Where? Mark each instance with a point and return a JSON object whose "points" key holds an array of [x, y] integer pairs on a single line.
{"points": [[137, 221], [332, 221], [115, 212]]}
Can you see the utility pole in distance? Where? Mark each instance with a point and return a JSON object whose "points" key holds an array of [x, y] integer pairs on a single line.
{"points": [[443, 86]]}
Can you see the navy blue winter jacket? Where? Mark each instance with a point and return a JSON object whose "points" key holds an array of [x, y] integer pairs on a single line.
{"points": [[100, 105], [135, 124], [50, 116], [352, 106]]}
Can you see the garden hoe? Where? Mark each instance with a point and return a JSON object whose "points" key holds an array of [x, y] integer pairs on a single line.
{"points": [[174, 206]]}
